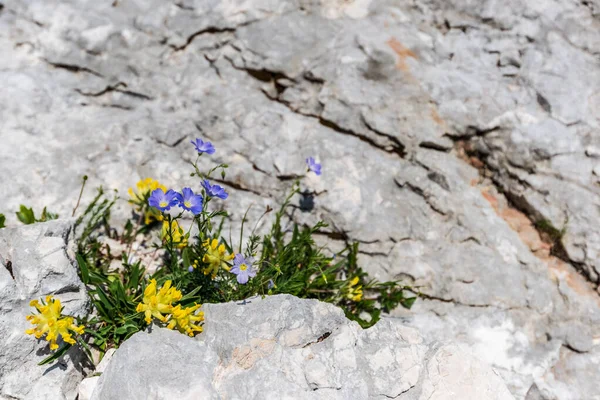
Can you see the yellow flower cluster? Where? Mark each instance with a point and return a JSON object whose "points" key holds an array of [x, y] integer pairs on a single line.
{"points": [[49, 321], [215, 257], [140, 197], [160, 306], [179, 239], [185, 320], [355, 293], [156, 304]]}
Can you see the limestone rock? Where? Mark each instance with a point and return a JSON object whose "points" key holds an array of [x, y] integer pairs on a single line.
{"points": [[37, 261], [88, 385], [285, 347]]}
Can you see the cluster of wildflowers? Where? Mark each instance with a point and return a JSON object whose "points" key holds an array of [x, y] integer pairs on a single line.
{"points": [[186, 320], [171, 231], [354, 291], [215, 257], [187, 200], [198, 265], [49, 321], [159, 305]]}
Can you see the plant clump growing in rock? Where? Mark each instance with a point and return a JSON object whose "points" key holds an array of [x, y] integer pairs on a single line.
{"points": [[189, 264]]}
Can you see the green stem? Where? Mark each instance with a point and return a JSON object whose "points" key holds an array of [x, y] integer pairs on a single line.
{"points": [[170, 243], [85, 178]]}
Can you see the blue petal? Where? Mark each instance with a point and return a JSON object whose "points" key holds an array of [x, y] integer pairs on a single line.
{"points": [[196, 209], [242, 277], [187, 193], [155, 198], [238, 260]]}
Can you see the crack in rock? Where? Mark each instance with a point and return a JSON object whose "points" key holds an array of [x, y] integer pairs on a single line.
{"points": [[72, 68], [209, 31], [272, 77], [115, 88], [519, 203]]}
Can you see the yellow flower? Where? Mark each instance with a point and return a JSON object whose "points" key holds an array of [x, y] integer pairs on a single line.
{"points": [[355, 293], [144, 188], [50, 322], [151, 215], [179, 239], [185, 320], [155, 305], [215, 257]]}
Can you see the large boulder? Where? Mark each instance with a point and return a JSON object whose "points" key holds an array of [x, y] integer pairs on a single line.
{"points": [[36, 261], [282, 347]]}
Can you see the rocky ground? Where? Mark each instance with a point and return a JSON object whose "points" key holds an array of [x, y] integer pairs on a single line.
{"points": [[460, 143], [283, 347]]}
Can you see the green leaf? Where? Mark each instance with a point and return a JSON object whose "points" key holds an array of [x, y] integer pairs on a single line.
{"points": [[408, 302], [106, 303], [59, 353], [47, 215], [227, 246], [134, 276], [86, 348], [126, 328], [190, 294], [2, 220], [186, 257], [85, 273], [25, 215]]}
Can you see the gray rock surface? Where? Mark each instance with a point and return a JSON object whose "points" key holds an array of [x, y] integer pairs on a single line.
{"points": [[393, 97], [35, 262], [282, 347]]}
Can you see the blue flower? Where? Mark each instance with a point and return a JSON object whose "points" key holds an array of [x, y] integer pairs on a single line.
{"points": [[190, 201], [190, 269], [243, 268], [271, 284], [214, 190], [313, 165], [163, 201], [203, 147]]}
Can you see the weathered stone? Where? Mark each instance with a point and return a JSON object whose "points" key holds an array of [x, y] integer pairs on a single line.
{"points": [[285, 347], [378, 90], [88, 385], [37, 261]]}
